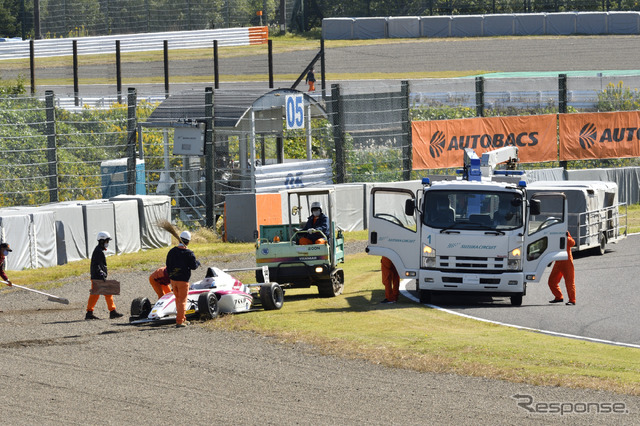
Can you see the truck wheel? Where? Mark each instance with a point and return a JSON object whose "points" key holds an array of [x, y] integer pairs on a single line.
{"points": [[425, 297], [208, 306], [516, 300], [334, 286], [271, 296], [602, 242], [140, 308]]}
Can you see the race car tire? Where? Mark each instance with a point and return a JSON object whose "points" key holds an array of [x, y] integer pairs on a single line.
{"points": [[271, 296], [333, 286], [208, 306], [140, 307]]}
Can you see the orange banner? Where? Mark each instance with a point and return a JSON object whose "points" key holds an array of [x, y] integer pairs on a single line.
{"points": [[599, 135], [440, 144]]}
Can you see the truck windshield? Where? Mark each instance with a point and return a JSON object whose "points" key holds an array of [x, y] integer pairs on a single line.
{"points": [[473, 210]]}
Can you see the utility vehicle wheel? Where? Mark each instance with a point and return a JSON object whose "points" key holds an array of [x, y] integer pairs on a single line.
{"points": [[208, 306], [334, 286], [425, 296], [271, 296], [602, 242], [140, 308], [516, 300]]}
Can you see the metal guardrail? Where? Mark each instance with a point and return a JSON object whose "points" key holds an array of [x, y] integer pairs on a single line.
{"points": [[19, 49]]}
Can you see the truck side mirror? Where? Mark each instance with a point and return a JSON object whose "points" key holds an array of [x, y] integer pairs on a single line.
{"points": [[409, 207], [534, 207]]}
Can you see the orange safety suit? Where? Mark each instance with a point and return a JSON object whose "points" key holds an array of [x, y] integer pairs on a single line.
{"points": [[160, 281], [390, 279], [181, 291], [99, 272], [564, 268]]}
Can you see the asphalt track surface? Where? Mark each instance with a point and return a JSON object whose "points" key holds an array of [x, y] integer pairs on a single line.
{"points": [[606, 299], [526, 55]]}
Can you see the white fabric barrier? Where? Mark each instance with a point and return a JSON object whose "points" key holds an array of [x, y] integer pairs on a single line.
{"points": [[591, 23], [563, 23], [369, 28], [497, 25], [98, 216], [31, 234], [467, 26], [151, 209], [530, 23], [623, 22], [127, 226], [337, 28], [435, 26], [403, 26], [71, 241]]}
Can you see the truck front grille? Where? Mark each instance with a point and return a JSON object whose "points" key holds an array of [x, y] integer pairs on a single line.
{"points": [[467, 263]]}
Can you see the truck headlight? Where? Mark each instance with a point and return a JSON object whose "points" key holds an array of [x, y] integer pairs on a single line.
{"points": [[428, 257], [514, 259]]}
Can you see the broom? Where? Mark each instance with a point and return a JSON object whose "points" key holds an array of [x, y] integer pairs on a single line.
{"points": [[167, 226]]}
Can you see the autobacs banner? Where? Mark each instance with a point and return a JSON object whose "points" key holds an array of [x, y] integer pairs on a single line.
{"points": [[440, 144], [599, 135]]}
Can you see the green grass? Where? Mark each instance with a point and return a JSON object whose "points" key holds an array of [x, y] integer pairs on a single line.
{"points": [[404, 335], [407, 335]]}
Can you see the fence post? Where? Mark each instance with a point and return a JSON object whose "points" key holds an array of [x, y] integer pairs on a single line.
{"points": [[337, 120], [210, 214], [166, 68], [32, 65], [118, 72], [322, 70], [76, 88], [479, 96], [52, 148], [216, 76], [407, 145], [270, 57], [562, 102], [132, 126]]}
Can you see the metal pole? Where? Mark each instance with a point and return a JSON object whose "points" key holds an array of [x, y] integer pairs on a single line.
{"points": [[131, 141], [270, 54], [322, 69], [118, 72], [307, 123], [36, 19], [216, 76], [210, 214], [52, 154], [166, 68], [407, 146], [337, 118], [32, 65], [76, 88], [562, 103], [480, 96]]}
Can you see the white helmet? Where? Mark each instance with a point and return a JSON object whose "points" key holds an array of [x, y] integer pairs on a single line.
{"points": [[104, 235], [316, 205], [185, 235]]}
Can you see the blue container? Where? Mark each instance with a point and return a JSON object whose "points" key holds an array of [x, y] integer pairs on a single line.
{"points": [[114, 177]]}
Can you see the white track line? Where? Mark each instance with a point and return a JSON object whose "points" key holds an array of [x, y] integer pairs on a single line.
{"points": [[405, 293]]}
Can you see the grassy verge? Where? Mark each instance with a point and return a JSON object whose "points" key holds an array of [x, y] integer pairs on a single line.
{"points": [[406, 335]]}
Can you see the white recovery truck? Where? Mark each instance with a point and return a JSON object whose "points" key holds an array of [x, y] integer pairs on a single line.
{"points": [[472, 235]]}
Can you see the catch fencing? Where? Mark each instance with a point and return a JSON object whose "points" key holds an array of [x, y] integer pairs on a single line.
{"points": [[51, 153]]}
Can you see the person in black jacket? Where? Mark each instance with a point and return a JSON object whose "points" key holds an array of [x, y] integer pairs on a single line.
{"points": [[317, 222], [180, 262], [99, 272]]}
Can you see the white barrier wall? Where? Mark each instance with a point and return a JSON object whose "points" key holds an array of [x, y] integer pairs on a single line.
{"points": [[561, 23]]}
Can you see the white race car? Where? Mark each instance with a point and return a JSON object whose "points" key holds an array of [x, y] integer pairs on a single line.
{"points": [[217, 293]]}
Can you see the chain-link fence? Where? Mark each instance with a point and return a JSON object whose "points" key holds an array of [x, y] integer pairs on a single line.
{"points": [[52, 152]]}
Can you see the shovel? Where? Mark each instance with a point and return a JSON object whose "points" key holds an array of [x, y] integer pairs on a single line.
{"points": [[50, 296]]}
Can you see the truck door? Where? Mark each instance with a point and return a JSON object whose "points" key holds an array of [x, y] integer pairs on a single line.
{"points": [[392, 232], [545, 235]]}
